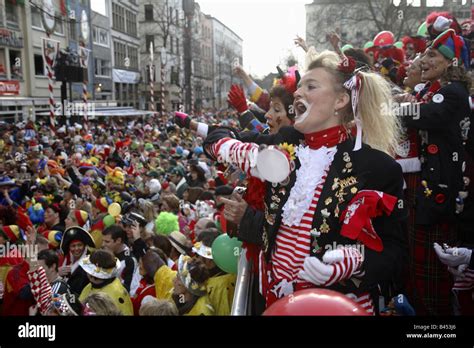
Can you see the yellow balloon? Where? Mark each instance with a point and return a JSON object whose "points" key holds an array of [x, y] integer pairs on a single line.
{"points": [[114, 209]]}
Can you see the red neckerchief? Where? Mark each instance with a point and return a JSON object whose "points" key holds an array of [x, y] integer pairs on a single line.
{"points": [[432, 89], [329, 137]]}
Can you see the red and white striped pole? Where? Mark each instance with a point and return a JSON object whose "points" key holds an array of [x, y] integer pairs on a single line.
{"points": [[191, 81], [162, 73], [84, 89], [152, 80], [152, 91], [52, 103], [163, 109], [193, 112]]}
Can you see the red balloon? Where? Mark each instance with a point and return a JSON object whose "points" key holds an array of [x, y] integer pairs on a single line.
{"points": [[384, 38], [315, 302]]}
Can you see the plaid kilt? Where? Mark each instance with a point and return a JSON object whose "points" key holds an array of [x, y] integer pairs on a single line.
{"points": [[429, 284]]}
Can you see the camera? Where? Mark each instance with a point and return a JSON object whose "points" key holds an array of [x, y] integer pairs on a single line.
{"points": [[130, 218]]}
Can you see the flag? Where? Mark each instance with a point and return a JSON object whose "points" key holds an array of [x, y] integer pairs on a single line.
{"points": [[63, 6], [84, 57], [50, 51]]}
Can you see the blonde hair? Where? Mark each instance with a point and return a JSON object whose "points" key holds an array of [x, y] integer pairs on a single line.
{"points": [[381, 128], [101, 304], [157, 307], [148, 211]]}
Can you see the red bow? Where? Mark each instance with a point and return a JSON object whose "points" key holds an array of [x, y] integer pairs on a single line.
{"points": [[357, 217], [347, 65]]}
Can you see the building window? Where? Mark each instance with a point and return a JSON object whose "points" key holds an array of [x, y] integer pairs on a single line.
{"points": [[39, 65], [177, 17], [124, 91], [36, 17], [100, 36], [59, 28], [131, 23], [102, 67], [118, 17], [3, 66], [148, 12], [149, 39], [133, 55], [119, 54], [72, 30], [117, 90], [15, 65], [11, 12], [171, 44]]}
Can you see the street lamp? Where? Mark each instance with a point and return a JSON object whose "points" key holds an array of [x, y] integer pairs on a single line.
{"points": [[163, 64]]}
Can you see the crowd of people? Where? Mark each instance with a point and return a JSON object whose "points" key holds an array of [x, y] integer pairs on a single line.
{"points": [[352, 173]]}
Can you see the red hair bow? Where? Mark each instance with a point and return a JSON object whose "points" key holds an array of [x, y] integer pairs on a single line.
{"points": [[347, 65]]}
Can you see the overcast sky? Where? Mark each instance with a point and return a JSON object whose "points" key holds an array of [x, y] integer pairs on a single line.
{"points": [[267, 28]]}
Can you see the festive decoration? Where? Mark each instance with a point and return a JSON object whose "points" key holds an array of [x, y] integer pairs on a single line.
{"points": [[384, 38], [289, 149], [357, 217], [315, 302], [226, 252], [166, 223], [346, 47], [36, 213], [109, 220], [422, 30], [50, 51], [452, 46], [114, 209], [368, 45]]}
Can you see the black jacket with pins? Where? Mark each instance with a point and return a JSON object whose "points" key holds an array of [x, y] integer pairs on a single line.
{"points": [[440, 123], [373, 170]]}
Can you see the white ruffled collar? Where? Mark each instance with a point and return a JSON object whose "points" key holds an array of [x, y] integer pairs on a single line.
{"points": [[314, 164]]}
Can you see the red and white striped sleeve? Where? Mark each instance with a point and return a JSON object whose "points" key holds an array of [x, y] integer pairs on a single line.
{"points": [[40, 288], [235, 152]]}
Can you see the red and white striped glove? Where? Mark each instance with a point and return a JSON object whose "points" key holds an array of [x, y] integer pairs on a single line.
{"points": [[40, 288], [337, 265]]}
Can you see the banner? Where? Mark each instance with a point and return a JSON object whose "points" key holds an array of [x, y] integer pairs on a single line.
{"points": [[50, 51], [9, 87], [84, 57], [125, 76]]}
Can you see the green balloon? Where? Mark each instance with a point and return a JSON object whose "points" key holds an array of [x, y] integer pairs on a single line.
{"points": [[346, 47], [422, 30], [109, 220], [226, 252], [398, 44], [368, 44]]}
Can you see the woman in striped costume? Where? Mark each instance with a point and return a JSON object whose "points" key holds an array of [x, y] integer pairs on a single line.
{"points": [[336, 220]]}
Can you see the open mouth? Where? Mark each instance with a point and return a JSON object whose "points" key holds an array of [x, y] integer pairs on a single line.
{"points": [[300, 107], [302, 110]]}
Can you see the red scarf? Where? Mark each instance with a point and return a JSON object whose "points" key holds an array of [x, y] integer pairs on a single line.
{"points": [[432, 89], [329, 137]]}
